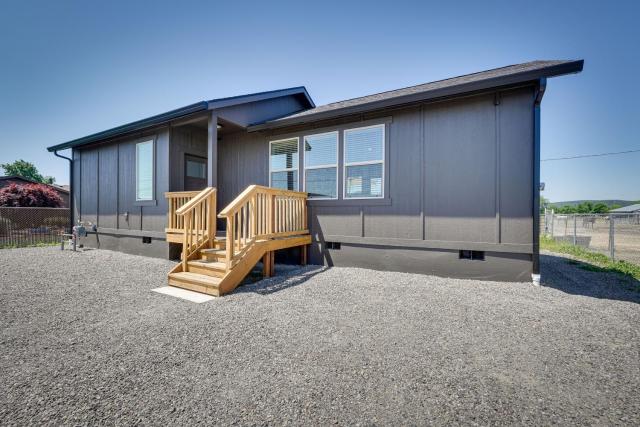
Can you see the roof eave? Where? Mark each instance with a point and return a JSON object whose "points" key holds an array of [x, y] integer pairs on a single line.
{"points": [[164, 118], [533, 76], [134, 127]]}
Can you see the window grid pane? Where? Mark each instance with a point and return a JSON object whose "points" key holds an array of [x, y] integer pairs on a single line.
{"points": [[322, 182], [321, 163], [321, 150], [284, 155], [285, 180], [364, 145], [283, 164], [144, 170], [364, 162], [364, 181], [196, 169]]}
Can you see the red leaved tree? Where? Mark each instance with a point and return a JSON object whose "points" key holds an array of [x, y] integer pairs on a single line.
{"points": [[29, 195]]}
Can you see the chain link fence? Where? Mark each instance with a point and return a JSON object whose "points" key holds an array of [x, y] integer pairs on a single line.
{"points": [[615, 235], [32, 226]]}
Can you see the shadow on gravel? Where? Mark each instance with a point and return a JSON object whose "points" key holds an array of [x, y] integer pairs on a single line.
{"points": [[581, 278], [279, 283]]}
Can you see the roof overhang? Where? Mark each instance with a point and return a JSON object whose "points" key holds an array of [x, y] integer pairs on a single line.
{"points": [[181, 113], [532, 76]]}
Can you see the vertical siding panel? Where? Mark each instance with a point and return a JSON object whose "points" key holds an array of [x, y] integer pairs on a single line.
{"points": [[516, 154], [460, 170], [108, 186], [89, 189], [127, 187]]}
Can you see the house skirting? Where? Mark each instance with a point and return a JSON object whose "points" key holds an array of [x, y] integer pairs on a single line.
{"points": [[499, 266], [131, 244]]}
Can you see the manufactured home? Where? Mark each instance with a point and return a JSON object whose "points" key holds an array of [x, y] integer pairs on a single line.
{"points": [[439, 178]]}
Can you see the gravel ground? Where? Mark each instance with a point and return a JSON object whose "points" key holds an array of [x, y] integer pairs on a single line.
{"points": [[84, 341]]}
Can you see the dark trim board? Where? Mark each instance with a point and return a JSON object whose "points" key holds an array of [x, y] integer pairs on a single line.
{"points": [[131, 233], [426, 244]]}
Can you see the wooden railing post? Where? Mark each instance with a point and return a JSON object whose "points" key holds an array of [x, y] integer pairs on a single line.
{"points": [[272, 214], [230, 239], [185, 243]]}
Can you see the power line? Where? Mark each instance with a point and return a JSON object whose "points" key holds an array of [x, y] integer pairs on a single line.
{"points": [[590, 155]]}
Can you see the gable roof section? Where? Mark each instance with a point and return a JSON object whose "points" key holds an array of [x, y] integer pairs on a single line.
{"points": [[512, 74], [178, 113]]}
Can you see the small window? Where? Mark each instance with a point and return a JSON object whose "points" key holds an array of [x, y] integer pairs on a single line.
{"points": [[321, 165], [144, 170], [283, 164], [471, 255], [196, 169], [364, 162], [146, 240]]}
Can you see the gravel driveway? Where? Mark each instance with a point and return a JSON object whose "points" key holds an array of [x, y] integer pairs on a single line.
{"points": [[84, 341]]}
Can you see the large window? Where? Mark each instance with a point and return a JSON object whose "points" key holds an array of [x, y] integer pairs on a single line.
{"points": [[321, 165], [364, 162], [144, 170], [283, 164]]}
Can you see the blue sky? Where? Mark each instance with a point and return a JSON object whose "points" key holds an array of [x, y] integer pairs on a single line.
{"points": [[71, 68]]}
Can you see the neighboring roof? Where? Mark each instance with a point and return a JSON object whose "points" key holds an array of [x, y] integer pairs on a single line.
{"points": [[30, 181], [509, 75], [627, 209], [178, 113]]}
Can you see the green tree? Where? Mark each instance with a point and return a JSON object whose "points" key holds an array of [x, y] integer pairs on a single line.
{"points": [[600, 208], [26, 170], [544, 203]]}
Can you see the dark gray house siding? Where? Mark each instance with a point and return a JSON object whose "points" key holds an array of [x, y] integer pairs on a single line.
{"points": [[105, 194], [459, 176]]}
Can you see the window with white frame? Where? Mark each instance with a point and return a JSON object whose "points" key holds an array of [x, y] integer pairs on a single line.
{"points": [[144, 170], [283, 164], [364, 162], [321, 165]]}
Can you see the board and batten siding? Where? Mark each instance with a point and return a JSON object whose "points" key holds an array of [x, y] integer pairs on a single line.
{"points": [[104, 180], [185, 140], [459, 177]]}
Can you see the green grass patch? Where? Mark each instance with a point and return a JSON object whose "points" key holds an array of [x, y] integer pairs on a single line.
{"points": [[597, 261], [32, 245]]}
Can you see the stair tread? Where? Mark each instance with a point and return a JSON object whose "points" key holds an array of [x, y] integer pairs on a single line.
{"points": [[209, 264], [197, 278], [213, 251]]}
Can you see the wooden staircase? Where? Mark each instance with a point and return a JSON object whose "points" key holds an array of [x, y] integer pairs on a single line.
{"points": [[259, 221]]}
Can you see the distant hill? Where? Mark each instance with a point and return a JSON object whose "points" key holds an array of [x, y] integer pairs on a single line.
{"points": [[594, 202]]}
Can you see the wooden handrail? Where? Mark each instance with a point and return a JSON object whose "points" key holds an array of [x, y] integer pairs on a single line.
{"points": [[248, 192], [175, 200], [262, 213], [198, 220], [195, 201]]}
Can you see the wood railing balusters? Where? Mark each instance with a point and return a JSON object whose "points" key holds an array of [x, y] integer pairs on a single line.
{"points": [[193, 213], [262, 213]]}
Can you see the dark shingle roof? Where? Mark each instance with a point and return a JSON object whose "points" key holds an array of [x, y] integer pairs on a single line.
{"points": [[511, 74]]}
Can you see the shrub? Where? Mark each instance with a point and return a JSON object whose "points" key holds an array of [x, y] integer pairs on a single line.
{"points": [[29, 195]]}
